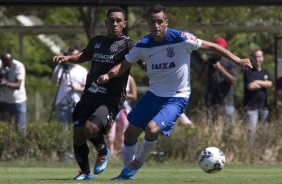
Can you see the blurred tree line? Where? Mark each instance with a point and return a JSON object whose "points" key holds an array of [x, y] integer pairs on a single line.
{"points": [[37, 57]]}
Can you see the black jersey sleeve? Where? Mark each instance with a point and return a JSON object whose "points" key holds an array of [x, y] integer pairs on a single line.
{"points": [[130, 43], [88, 51]]}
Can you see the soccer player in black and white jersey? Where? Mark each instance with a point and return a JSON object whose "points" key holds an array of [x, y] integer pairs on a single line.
{"points": [[94, 113]]}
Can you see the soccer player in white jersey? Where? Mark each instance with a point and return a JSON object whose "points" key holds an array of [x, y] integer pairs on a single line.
{"points": [[166, 53]]}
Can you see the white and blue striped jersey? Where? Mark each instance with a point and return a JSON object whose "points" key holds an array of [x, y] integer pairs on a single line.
{"points": [[167, 62]]}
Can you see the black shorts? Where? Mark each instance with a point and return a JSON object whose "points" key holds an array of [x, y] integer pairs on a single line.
{"points": [[100, 110]]}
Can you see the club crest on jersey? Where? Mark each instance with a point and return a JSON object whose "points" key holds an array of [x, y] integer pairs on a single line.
{"points": [[93, 88], [97, 46], [113, 47], [170, 52]]}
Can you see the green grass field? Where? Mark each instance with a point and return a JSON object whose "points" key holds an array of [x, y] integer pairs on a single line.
{"points": [[155, 173]]}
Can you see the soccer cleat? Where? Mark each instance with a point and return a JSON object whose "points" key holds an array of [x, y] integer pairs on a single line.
{"points": [[83, 176], [131, 169], [101, 162], [120, 177]]}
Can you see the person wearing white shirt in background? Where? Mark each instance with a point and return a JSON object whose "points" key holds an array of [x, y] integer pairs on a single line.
{"points": [[71, 79], [12, 91]]}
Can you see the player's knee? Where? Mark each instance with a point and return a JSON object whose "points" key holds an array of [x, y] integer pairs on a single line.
{"points": [[151, 136], [90, 129], [152, 129]]}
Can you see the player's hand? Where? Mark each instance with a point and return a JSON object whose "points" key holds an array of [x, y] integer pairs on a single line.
{"points": [[103, 79], [245, 64], [3, 82], [60, 59], [71, 86], [216, 65]]}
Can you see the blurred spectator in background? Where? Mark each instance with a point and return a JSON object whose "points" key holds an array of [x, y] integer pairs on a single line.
{"points": [[256, 83], [71, 79], [12, 91], [116, 133], [219, 75], [279, 93]]}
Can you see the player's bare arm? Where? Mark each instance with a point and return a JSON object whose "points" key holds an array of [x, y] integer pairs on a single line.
{"points": [[13, 85], [243, 63], [116, 71], [77, 58]]}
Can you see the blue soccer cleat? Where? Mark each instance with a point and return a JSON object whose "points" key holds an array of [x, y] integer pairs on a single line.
{"points": [[131, 169], [101, 163], [83, 176]]}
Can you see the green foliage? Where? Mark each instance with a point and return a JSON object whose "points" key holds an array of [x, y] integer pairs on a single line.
{"points": [[61, 15], [139, 75], [65, 16], [37, 58], [9, 141], [41, 141], [8, 43], [45, 138]]}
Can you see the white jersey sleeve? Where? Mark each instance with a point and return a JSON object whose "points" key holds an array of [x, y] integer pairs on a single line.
{"points": [[191, 41], [134, 55]]}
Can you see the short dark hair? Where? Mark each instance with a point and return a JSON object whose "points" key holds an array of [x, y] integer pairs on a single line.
{"points": [[70, 50], [156, 9], [253, 53], [116, 9], [6, 56]]}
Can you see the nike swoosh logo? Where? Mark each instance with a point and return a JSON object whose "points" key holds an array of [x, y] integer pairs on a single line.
{"points": [[157, 51]]}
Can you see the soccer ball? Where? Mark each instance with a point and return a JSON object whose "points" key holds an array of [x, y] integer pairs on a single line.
{"points": [[211, 160]]}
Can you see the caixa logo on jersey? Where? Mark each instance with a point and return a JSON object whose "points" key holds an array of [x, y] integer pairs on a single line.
{"points": [[170, 52], [113, 47]]}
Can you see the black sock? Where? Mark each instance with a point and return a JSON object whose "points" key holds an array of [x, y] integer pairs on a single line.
{"points": [[100, 145], [81, 156]]}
